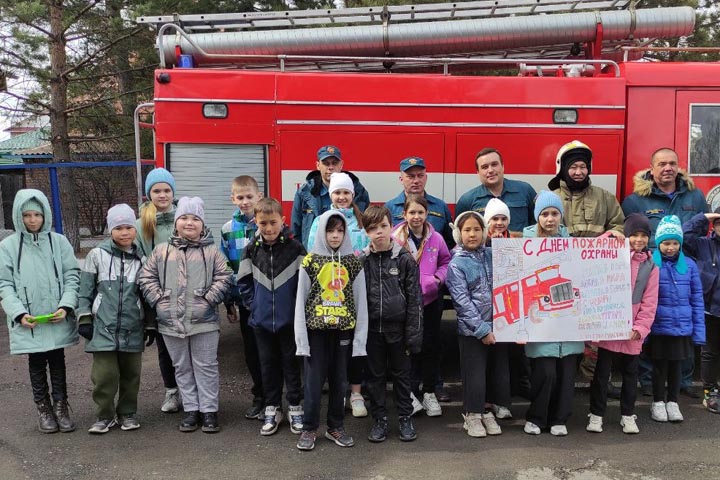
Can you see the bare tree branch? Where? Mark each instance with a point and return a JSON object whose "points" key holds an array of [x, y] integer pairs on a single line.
{"points": [[99, 51], [103, 100], [45, 106], [76, 140], [112, 74], [79, 15]]}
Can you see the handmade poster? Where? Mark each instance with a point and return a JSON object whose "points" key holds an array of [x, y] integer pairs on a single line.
{"points": [[560, 289]]}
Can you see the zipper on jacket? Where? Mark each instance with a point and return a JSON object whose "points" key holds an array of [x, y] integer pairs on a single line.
{"points": [[381, 290], [272, 285], [120, 308]]}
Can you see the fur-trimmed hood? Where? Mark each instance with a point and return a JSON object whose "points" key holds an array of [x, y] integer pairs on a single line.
{"points": [[643, 182]]}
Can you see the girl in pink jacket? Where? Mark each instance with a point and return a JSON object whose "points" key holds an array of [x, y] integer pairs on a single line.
{"points": [[644, 279], [431, 253]]}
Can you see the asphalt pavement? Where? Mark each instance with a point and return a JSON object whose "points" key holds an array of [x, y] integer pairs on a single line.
{"points": [[442, 451]]}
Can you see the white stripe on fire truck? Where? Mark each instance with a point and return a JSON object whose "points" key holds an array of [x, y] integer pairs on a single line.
{"points": [[389, 104], [449, 124], [383, 186]]}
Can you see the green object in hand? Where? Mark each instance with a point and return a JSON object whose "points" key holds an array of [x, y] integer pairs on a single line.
{"points": [[43, 318]]}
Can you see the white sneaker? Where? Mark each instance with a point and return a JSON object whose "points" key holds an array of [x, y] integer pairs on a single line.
{"points": [[558, 430], [673, 412], [531, 429], [501, 413], [658, 412], [491, 425], [357, 403], [295, 418], [417, 406], [629, 425], [431, 405], [594, 424], [172, 403], [473, 424], [272, 419]]}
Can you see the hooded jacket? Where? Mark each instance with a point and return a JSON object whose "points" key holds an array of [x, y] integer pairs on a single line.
{"points": [[652, 202], [358, 238], [307, 204], [590, 212], [163, 231], [268, 279], [706, 252], [38, 275], [680, 310], [551, 349], [331, 292], [432, 256], [469, 280], [110, 299], [643, 312], [393, 300], [184, 281]]}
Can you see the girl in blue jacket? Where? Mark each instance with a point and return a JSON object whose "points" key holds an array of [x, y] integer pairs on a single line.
{"points": [[553, 363], [469, 280], [679, 321]]}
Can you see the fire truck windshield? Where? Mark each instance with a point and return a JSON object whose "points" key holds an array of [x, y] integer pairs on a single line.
{"points": [[548, 274]]}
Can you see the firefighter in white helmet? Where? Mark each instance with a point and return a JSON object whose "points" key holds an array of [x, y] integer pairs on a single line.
{"points": [[590, 211]]}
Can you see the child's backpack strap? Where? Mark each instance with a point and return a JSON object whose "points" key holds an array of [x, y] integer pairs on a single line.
{"points": [[641, 281]]}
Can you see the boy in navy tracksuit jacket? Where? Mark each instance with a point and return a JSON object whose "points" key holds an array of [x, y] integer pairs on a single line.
{"points": [[267, 280], [705, 249]]}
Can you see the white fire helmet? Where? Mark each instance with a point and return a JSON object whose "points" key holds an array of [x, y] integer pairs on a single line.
{"points": [[578, 147]]}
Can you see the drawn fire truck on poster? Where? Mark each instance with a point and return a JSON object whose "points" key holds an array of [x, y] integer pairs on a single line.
{"points": [[544, 293]]}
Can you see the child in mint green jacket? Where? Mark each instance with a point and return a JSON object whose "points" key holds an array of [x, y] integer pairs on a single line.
{"points": [[39, 277]]}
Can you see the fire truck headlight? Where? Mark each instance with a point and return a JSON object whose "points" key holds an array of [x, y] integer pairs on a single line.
{"points": [[215, 110], [546, 299], [562, 115]]}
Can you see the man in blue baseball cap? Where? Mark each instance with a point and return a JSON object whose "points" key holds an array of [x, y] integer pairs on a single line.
{"points": [[313, 199], [413, 176]]}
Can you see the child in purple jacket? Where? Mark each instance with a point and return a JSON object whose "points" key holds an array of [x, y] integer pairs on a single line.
{"points": [[428, 248]]}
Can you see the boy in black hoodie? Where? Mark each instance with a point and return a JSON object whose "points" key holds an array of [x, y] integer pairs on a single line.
{"points": [[395, 310]]}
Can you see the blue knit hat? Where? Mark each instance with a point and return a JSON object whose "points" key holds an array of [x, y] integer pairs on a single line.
{"points": [[159, 175], [547, 199], [670, 228]]}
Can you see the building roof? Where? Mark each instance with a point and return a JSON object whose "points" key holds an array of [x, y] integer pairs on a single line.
{"points": [[11, 148]]}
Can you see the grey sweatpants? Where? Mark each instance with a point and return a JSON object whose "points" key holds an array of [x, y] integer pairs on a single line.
{"points": [[196, 370]]}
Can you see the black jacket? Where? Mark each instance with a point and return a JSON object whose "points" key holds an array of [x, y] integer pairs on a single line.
{"points": [[394, 298]]}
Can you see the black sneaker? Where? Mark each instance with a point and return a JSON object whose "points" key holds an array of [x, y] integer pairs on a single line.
{"points": [[690, 392], [711, 400], [340, 437], [210, 422], [407, 430], [256, 411], [190, 421], [441, 394], [379, 431], [306, 440]]}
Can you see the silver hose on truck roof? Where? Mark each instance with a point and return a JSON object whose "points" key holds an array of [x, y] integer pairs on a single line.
{"points": [[442, 37]]}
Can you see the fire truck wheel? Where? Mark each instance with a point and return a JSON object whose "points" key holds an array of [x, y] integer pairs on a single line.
{"points": [[534, 313]]}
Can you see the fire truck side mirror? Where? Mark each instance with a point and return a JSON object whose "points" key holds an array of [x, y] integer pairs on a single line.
{"points": [[163, 77]]}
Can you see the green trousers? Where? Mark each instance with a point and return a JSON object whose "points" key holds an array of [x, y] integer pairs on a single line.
{"points": [[116, 373]]}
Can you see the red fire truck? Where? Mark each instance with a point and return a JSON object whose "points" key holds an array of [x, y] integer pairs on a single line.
{"points": [[543, 292], [259, 93]]}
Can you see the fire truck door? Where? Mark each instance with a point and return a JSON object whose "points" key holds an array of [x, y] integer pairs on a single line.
{"points": [[207, 170], [697, 140]]}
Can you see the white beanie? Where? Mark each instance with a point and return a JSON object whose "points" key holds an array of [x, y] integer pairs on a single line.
{"points": [[495, 207], [120, 215], [340, 180], [190, 206]]}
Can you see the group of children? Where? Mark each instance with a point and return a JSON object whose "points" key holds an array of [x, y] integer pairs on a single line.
{"points": [[365, 298]]}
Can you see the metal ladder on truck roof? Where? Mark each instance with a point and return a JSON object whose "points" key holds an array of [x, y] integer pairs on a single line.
{"points": [[199, 23]]}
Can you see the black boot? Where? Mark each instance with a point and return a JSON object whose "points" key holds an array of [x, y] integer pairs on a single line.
{"points": [[46, 420], [62, 415], [210, 422], [190, 421]]}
